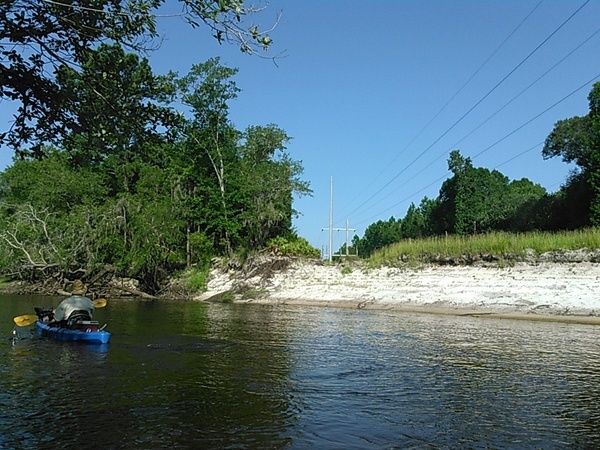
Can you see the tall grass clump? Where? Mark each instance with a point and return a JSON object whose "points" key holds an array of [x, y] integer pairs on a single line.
{"points": [[196, 278], [495, 245]]}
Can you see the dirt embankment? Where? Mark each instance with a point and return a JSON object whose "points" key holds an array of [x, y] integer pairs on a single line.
{"points": [[563, 285], [560, 284]]}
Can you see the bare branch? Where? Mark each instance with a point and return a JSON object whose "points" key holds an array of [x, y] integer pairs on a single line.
{"points": [[11, 239]]}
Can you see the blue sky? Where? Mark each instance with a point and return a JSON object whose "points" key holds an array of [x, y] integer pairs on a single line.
{"points": [[376, 94]]}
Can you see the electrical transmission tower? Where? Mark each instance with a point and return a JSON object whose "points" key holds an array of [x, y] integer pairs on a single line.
{"points": [[332, 229]]}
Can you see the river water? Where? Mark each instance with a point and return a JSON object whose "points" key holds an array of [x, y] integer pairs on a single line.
{"points": [[196, 375]]}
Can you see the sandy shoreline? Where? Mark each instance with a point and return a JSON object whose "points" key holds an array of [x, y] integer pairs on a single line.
{"points": [[546, 291]]}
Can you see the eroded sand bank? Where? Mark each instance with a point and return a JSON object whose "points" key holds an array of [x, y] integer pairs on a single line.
{"points": [[548, 291]]}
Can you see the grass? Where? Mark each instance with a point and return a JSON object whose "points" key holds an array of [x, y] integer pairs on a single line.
{"points": [[503, 246], [346, 270], [195, 279]]}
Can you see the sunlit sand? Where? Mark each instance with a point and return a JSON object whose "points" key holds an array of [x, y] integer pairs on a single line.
{"points": [[550, 291]]}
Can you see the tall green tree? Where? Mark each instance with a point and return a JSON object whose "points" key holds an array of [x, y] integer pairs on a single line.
{"points": [[380, 234], [211, 139], [433, 219], [476, 199], [413, 224], [239, 187], [38, 37], [520, 208], [475, 196], [577, 140], [120, 110], [267, 179]]}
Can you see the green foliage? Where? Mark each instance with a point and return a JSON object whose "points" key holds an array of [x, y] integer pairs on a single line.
{"points": [[577, 140], [201, 248], [44, 221], [209, 147], [50, 183], [40, 39], [476, 200], [346, 270], [496, 244], [195, 279], [292, 246], [379, 235], [481, 200], [142, 238], [120, 130], [239, 186], [266, 179], [119, 193], [413, 224]]}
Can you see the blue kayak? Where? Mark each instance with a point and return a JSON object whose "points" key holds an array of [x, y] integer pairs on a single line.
{"points": [[90, 335]]}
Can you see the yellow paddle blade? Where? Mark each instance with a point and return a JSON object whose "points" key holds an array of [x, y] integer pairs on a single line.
{"points": [[100, 303], [23, 321]]}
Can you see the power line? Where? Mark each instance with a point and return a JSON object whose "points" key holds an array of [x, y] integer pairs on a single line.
{"points": [[519, 155], [538, 115], [490, 117], [446, 105], [491, 146], [476, 104]]}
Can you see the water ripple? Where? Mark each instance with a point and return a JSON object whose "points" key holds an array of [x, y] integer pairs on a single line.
{"points": [[235, 376]]}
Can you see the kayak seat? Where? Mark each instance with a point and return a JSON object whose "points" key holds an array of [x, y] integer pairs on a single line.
{"points": [[78, 316]]}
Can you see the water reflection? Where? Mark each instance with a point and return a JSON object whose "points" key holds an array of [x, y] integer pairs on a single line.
{"points": [[194, 375]]}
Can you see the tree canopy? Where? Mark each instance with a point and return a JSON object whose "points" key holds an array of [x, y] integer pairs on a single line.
{"points": [[477, 200], [40, 38], [138, 186], [577, 140], [473, 200]]}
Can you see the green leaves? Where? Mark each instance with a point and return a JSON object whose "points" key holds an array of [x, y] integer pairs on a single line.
{"points": [[577, 140], [474, 200], [38, 39], [118, 192], [291, 245], [115, 108]]}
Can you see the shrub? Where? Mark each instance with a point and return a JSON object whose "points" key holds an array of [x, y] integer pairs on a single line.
{"points": [[292, 246], [195, 279]]}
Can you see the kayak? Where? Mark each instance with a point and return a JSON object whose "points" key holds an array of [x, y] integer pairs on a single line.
{"points": [[86, 332]]}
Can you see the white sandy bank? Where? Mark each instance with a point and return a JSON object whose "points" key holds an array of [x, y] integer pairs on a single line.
{"points": [[565, 289]]}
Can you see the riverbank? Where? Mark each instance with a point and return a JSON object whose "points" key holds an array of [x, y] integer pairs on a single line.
{"points": [[565, 291]]}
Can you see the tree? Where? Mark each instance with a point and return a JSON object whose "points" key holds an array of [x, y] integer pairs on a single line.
{"points": [[433, 219], [50, 183], [267, 179], [120, 197], [210, 136], [45, 215], [124, 129], [145, 236], [478, 200], [577, 140], [521, 202], [38, 37], [239, 186], [379, 235], [413, 224]]}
